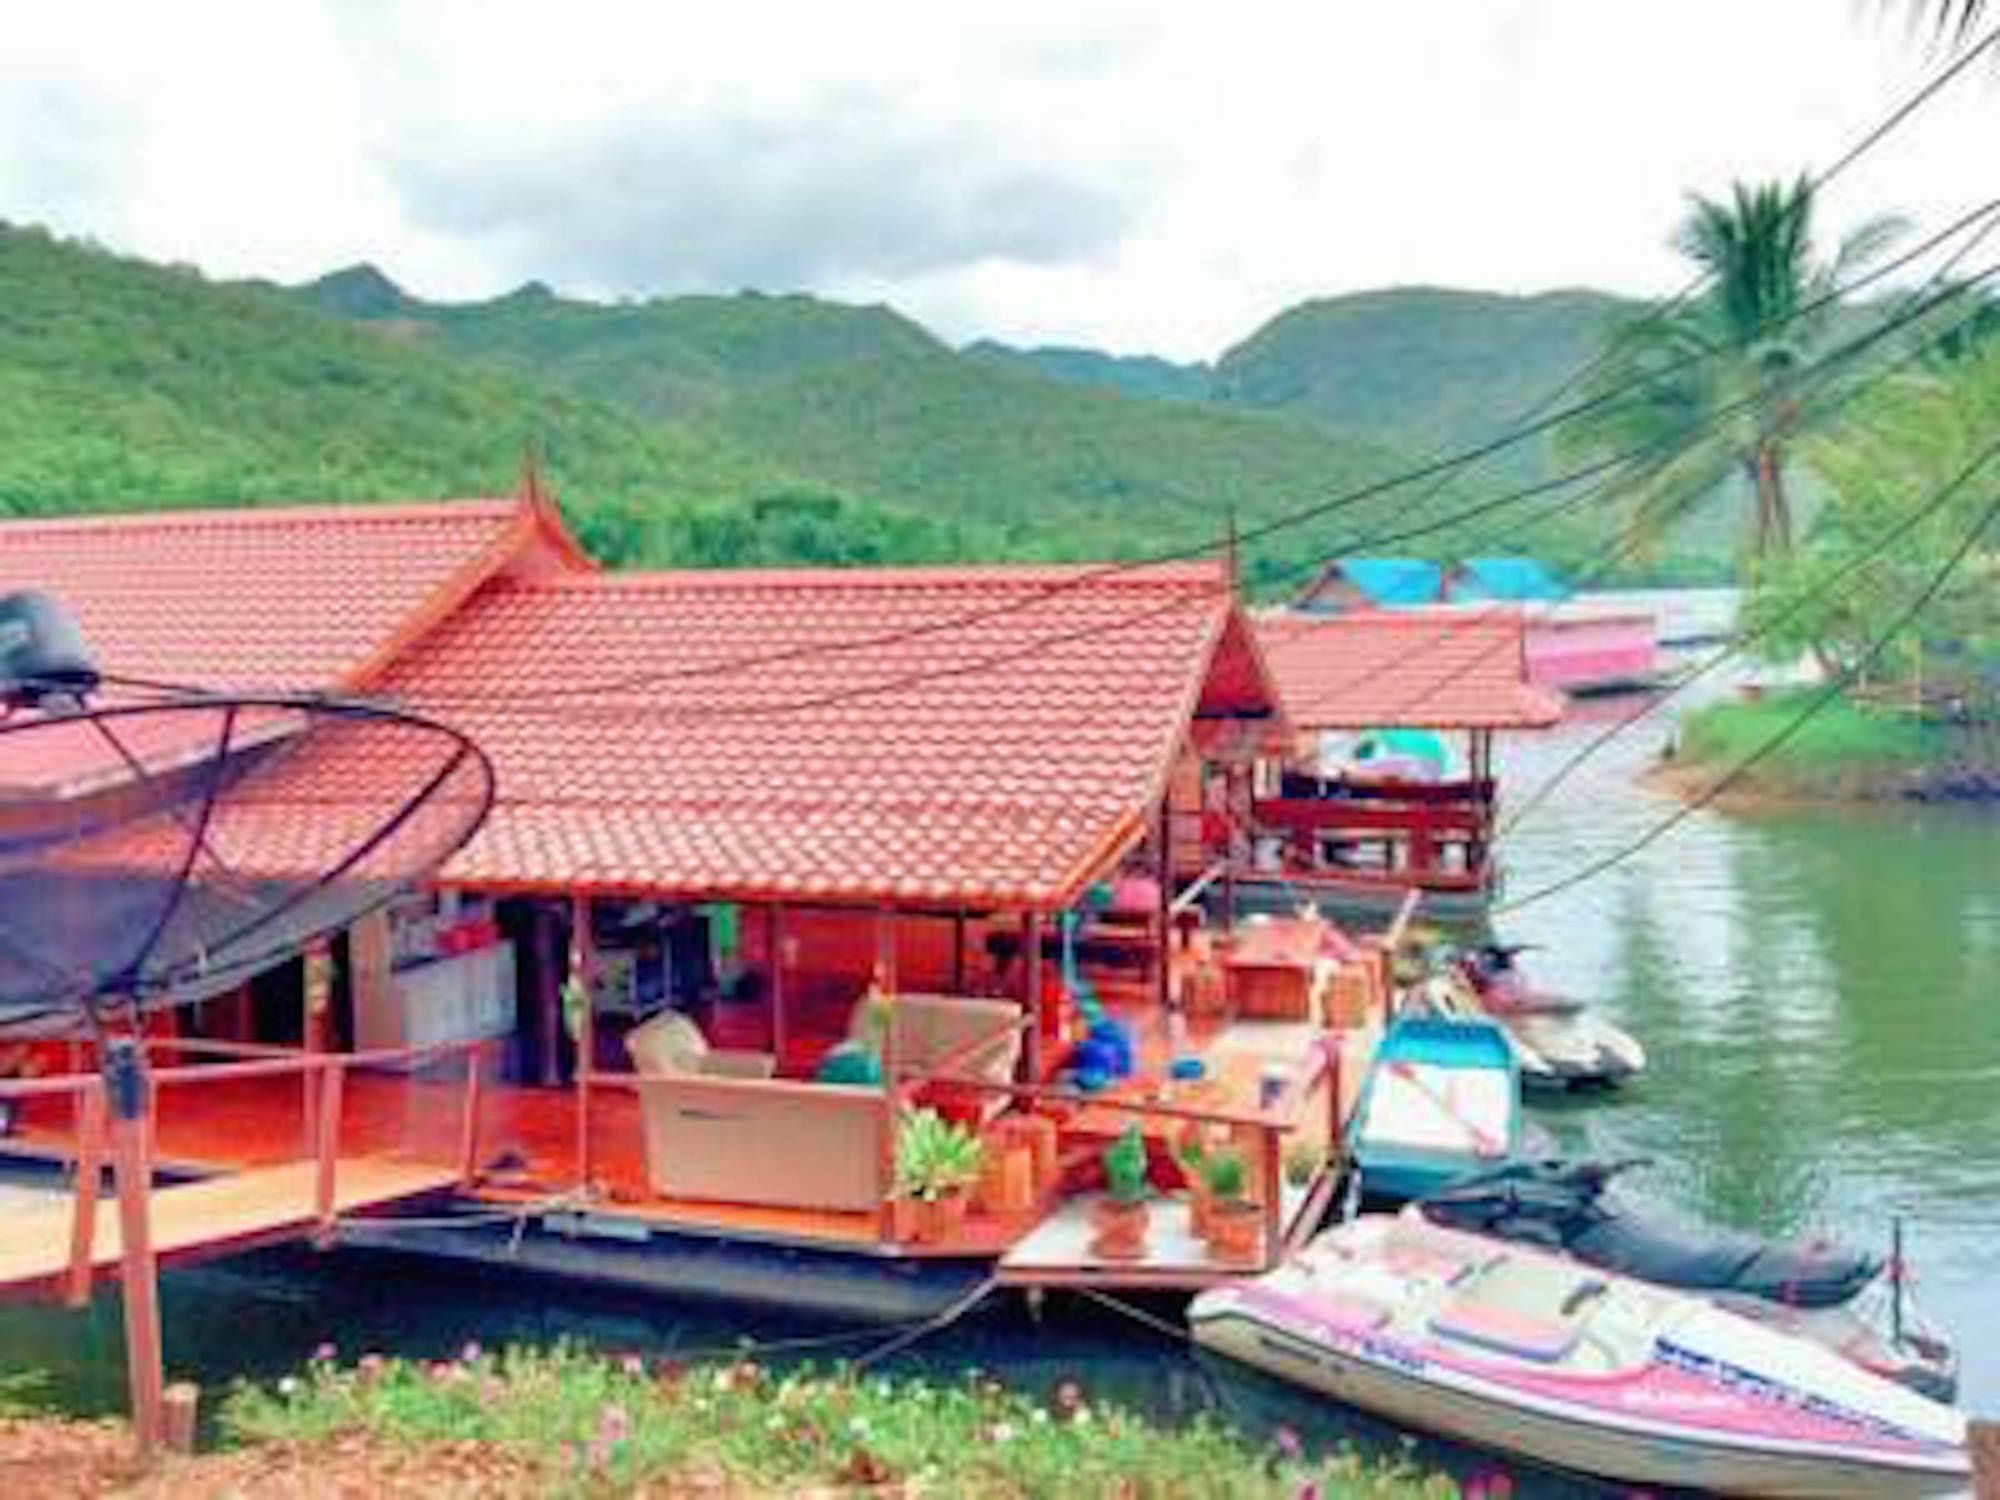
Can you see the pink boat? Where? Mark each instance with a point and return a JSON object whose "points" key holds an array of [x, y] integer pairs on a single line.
{"points": [[1509, 1348], [1582, 647]]}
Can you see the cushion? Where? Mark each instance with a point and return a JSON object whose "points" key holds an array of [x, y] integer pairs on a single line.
{"points": [[851, 1063], [666, 1045]]}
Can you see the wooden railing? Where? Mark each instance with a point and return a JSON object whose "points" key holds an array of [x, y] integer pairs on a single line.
{"points": [[1286, 1116], [325, 1073]]}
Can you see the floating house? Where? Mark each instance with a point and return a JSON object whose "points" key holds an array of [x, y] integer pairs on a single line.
{"points": [[1573, 644], [1364, 810], [777, 860]]}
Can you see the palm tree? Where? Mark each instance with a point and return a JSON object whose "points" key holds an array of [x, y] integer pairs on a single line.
{"points": [[1951, 20], [1716, 386]]}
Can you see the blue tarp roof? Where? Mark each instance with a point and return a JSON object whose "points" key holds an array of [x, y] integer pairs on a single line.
{"points": [[1516, 578], [1394, 580]]}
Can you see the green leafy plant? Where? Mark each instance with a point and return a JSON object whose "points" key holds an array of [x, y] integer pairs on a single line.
{"points": [[935, 1157], [1125, 1167], [1302, 1163], [1225, 1176]]}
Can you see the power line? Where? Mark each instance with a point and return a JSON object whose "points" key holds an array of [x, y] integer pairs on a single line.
{"points": [[1885, 541], [1195, 593], [1623, 547], [1776, 741], [1544, 421]]}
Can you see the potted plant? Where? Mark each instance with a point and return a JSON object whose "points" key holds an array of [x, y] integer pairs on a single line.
{"points": [[1191, 1155], [1302, 1164], [1120, 1216], [937, 1165], [1235, 1221]]}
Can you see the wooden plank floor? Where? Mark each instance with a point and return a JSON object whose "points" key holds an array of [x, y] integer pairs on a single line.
{"points": [[212, 1216]]}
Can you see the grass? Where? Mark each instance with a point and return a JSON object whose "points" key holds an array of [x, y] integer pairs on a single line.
{"points": [[607, 1426], [1845, 749]]}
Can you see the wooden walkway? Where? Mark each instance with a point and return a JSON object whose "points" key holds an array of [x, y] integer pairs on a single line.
{"points": [[214, 1216]]}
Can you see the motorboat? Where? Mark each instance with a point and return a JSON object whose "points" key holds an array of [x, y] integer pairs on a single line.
{"points": [[1848, 1300], [1441, 1102], [1540, 1356], [1562, 1043]]}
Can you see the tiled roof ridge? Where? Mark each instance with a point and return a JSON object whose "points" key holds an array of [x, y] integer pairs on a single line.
{"points": [[346, 513], [1154, 575]]}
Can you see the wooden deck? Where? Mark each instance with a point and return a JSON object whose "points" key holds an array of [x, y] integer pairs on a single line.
{"points": [[213, 1216]]}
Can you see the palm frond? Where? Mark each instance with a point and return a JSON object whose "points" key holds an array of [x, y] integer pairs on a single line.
{"points": [[1948, 21]]}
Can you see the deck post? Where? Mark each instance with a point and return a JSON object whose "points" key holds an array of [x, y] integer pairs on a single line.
{"points": [[548, 996], [332, 1075], [1163, 916], [316, 1014], [958, 951], [89, 1173], [581, 963], [1231, 801], [885, 975], [127, 1090], [774, 942], [1271, 1174], [468, 1150], [1031, 1002]]}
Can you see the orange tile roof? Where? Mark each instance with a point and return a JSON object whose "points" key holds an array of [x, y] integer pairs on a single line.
{"points": [[294, 598], [1000, 762], [1431, 668]]}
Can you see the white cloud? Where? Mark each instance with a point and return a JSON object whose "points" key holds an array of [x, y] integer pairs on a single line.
{"points": [[1142, 178]]}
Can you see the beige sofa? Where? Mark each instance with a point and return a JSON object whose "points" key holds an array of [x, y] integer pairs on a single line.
{"points": [[766, 1141], [719, 1127], [925, 1030]]}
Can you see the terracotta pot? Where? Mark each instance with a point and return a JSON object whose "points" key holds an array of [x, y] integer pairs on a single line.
{"points": [[1120, 1229], [1236, 1233], [933, 1221], [1007, 1179], [1200, 1207]]}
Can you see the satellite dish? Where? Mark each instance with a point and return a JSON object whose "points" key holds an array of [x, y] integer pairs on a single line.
{"points": [[42, 654], [155, 853]]}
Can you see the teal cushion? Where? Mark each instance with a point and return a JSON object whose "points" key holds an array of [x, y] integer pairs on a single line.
{"points": [[850, 1062]]}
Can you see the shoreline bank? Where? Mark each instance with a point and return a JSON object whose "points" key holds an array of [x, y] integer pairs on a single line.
{"points": [[1844, 755], [528, 1422]]}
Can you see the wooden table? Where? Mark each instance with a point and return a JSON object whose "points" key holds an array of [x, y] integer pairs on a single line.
{"points": [[1278, 970]]}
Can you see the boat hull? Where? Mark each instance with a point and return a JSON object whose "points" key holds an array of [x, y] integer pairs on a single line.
{"points": [[1405, 1391]]}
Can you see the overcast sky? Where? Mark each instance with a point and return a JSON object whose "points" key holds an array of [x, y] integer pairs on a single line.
{"points": [[1141, 178]]}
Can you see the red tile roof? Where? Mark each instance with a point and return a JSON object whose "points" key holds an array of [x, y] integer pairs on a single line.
{"points": [[999, 761], [298, 598], [1434, 668]]}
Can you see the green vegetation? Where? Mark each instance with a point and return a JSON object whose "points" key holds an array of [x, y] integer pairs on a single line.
{"points": [[1144, 377], [758, 429], [1427, 369], [1125, 1167], [1835, 595], [130, 386], [935, 1157], [1846, 750], [1726, 380], [610, 1427]]}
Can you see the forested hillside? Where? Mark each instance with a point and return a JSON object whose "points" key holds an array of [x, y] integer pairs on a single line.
{"points": [[709, 430]]}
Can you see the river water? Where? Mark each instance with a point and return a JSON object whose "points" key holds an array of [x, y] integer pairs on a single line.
{"points": [[1816, 990]]}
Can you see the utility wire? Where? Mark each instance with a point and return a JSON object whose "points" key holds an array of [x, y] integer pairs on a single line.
{"points": [[1738, 646], [1197, 593], [1777, 740], [1635, 532], [1541, 419]]}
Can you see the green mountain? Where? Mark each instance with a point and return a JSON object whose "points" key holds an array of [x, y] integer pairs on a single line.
{"points": [[125, 385], [740, 429], [1425, 369], [864, 406], [1144, 376]]}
